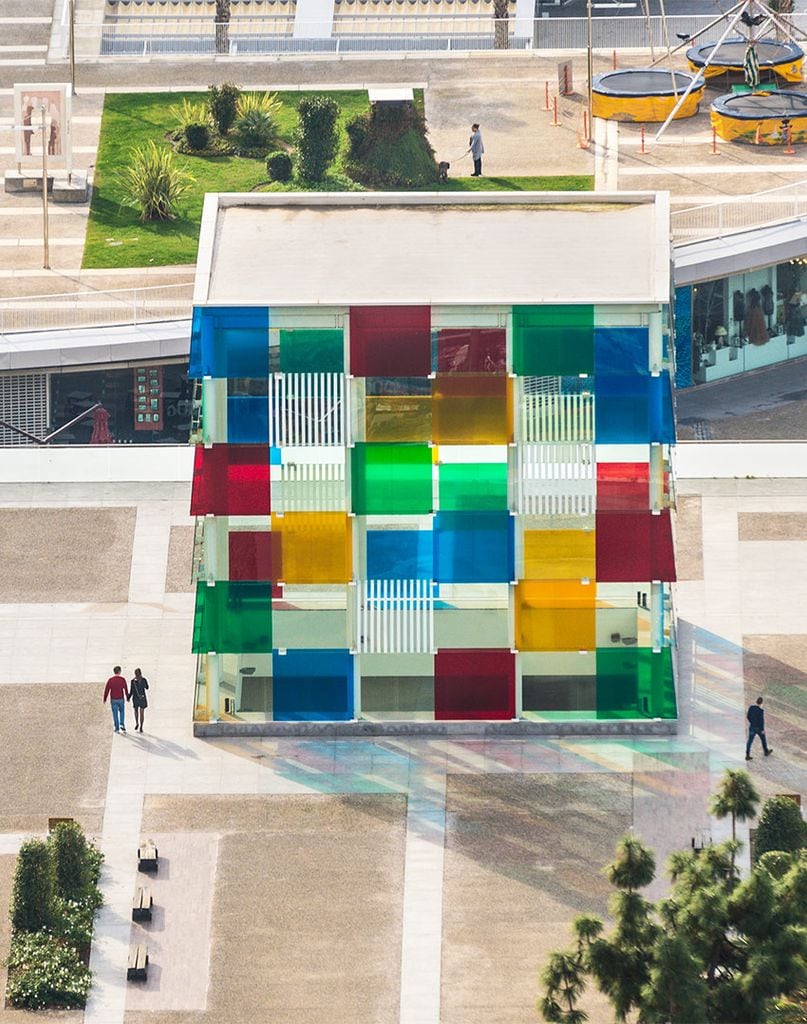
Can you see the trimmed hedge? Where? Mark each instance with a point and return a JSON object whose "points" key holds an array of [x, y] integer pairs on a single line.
{"points": [[316, 136], [780, 827], [279, 166]]}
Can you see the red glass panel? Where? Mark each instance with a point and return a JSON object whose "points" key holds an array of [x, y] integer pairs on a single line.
{"points": [[390, 341], [477, 350], [622, 486], [634, 547], [474, 684], [231, 480], [253, 555]]}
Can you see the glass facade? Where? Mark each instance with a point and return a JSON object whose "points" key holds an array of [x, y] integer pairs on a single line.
{"points": [[742, 322], [432, 514]]}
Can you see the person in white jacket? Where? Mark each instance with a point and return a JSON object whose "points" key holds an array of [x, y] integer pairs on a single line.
{"points": [[476, 149]]}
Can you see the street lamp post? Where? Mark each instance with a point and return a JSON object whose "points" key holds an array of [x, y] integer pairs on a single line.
{"points": [[72, 43], [590, 65], [46, 242]]}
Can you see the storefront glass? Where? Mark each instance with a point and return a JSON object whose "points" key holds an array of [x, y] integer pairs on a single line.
{"points": [[747, 321]]}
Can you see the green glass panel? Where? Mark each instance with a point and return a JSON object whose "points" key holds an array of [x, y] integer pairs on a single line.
{"points": [[233, 618], [312, 351], [553, 341], [391, 479], [635, 683], [473, 486]]}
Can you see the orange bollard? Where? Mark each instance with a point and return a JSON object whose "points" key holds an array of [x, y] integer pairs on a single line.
{"points": [[713, 151], [757, 134], [642, 149], [547, 105], [555, 121], [614, 61], [789, 150], [583, 142]]}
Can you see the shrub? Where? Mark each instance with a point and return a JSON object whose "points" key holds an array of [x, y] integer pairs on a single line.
{"points": [[153, 184], [187, 113], [780, 827], [316, 136], [222, 102], [254, 133], [73, 919], [267, 102], [279, 166], [72, 861], [197, 135], [389, 149], [34, 887], [44, 972]]}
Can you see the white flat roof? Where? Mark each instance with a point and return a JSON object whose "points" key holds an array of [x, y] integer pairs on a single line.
{"points": [[337, 249]]}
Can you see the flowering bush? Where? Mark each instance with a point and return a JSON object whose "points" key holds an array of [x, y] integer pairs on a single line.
{"points": [[43, 972]]}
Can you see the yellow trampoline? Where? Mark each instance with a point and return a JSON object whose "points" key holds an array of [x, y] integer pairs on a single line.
{"points": [[761, 117], [643, 94], [784, 59]]}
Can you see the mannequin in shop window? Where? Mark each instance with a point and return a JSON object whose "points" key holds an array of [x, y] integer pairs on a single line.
{"points": [[794, 322], [754, 325], [738, 311]]}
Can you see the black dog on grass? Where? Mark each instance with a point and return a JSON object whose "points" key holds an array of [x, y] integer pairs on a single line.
{"points": [[442, 171]]}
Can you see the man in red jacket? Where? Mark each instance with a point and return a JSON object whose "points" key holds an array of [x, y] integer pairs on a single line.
{"points": [[118, 693]]}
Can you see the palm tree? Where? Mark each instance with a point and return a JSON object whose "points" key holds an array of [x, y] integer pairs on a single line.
{"points": [[501, 12], [222, 26], [736, 796]]}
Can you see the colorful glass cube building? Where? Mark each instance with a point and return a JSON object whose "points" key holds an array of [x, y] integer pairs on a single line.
{"points": [[432, 474]]}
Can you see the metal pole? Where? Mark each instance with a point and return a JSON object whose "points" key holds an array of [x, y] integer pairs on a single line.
{"points": [[700, 32], [46, 246], [590, 70], [72, 30]]}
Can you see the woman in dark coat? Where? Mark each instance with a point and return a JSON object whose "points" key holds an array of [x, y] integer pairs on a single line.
{"points": [[137, 691]]}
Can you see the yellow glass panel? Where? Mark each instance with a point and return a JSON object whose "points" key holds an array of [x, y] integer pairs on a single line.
{"points": [[559, 554], [472, 409], [398, 417], [316, 547], [556, 615]]}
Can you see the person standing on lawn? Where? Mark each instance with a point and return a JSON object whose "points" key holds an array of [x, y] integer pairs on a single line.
{"points": [[476, 149], [118, 693], [756, 727], [137, 691]]}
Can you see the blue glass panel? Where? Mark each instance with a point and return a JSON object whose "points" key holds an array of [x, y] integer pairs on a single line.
{"points": [[633, 410], [683, 337], [248, 419], [312, 686], [473, 547], [229, 341], [621, 350], [399, 554]]}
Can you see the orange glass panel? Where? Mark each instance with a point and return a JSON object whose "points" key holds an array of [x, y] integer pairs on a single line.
{"points": [[398, 417], [472, 409], [316, 547], [557, 615], [559, 554]]}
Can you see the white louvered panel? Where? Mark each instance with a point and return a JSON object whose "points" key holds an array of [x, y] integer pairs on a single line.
{"points": [[23, 402], [310, 487], [558, 418], [395, 616], [307, 409], [556, 479]]}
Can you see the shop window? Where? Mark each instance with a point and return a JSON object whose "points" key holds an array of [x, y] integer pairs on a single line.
{"points": [[474, 684], [390, 341], [553, 340], [634, 547], [312, 685], [233, 618], [391, 479]]}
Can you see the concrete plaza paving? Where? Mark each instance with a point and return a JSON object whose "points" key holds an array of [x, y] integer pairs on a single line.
{"points": [[397, 879]]}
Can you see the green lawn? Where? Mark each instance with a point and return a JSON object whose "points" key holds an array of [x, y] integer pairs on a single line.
{"points": [[115, 236]]}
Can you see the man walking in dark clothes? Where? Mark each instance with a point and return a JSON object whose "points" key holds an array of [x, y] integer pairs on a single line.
{"points": [[756, 727], [118, 693]]}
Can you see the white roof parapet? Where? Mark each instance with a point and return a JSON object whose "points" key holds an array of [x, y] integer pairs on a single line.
{"points": [[434, 248]]}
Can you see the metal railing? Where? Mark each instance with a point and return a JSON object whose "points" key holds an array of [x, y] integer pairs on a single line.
{"points": [[96, 308], [154, 34], [740, 213]]}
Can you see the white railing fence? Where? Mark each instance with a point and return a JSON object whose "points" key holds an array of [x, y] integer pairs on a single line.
{"points": [[96, 308], [740, 213]]}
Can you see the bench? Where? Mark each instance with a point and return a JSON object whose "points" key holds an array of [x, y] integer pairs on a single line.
{"points": [[147, 856], [141, 904], [138, 963]]}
